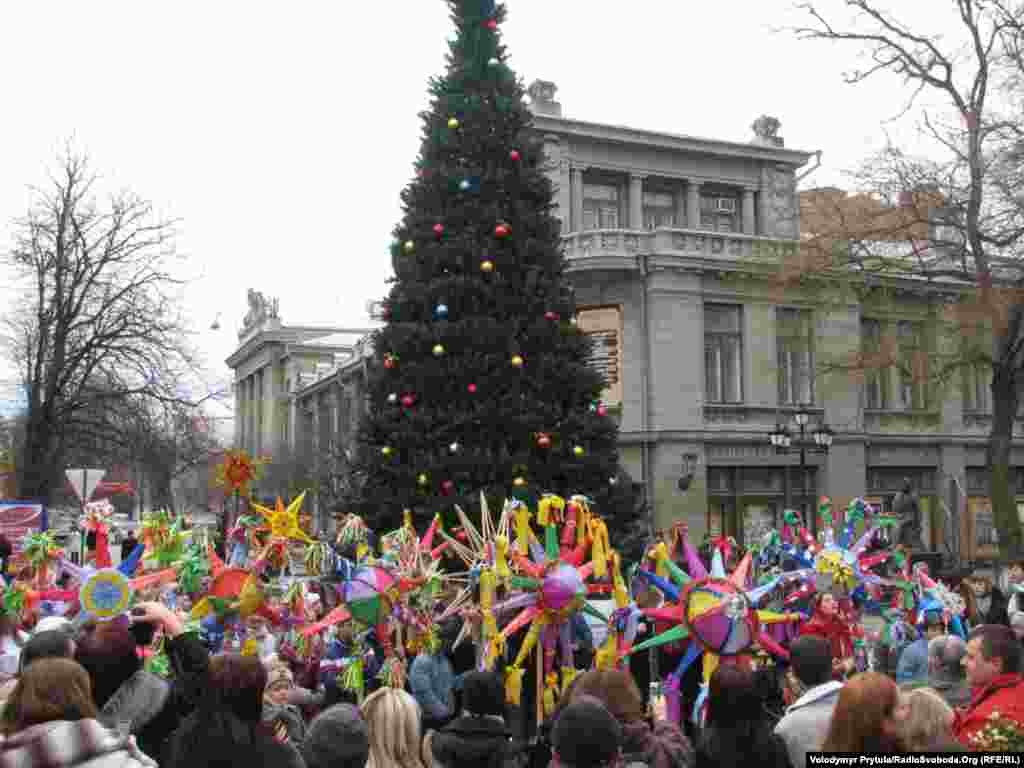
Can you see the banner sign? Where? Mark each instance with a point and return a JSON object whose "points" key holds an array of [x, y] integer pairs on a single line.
{"points": [[19, 518]]}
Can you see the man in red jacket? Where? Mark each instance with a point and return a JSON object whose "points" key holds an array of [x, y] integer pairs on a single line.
{"points": [[993, 671]]}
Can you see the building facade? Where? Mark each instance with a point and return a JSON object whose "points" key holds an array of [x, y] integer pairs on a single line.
{"points": [[673, 246], [287, 399]]}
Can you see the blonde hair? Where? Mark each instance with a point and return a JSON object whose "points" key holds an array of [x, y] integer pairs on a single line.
{"points": [[929, 721], [393, 717]]}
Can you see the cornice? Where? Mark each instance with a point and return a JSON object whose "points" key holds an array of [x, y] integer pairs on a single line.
{"points": [[566, 127]]}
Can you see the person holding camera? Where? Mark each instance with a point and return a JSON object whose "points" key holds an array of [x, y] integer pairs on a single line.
{"points": [[129, 696]]}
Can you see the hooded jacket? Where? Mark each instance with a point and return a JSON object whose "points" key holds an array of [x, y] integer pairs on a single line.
{"points": [[1004, 694], [804, 726], [472, 741], [70, 744]]}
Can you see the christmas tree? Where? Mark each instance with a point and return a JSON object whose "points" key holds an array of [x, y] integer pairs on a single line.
{"points": [[479, 380]]}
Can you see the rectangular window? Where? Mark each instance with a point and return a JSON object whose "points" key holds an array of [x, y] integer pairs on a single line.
{"points": [[977, 384], [723, 350], [876, 382], [604, 327], [600, 206], [913, 364], [659, 210], [719, 212], [795, 337]]}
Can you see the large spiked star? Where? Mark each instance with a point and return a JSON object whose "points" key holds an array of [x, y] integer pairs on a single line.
{"points": [[284, 521]]}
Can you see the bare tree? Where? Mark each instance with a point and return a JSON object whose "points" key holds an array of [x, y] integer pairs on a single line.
{"points": [[962, 190], [97, 332]]}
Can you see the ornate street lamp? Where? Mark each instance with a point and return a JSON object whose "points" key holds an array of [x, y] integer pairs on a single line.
{"points": [[689, 469], [821, 442]]}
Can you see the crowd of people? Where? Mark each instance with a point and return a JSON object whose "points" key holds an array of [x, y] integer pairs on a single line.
{"points": [[76, 691], [82, 696]]}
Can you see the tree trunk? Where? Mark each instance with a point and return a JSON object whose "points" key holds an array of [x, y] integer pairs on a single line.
{"points": [[1002, 486], [38, 471]]}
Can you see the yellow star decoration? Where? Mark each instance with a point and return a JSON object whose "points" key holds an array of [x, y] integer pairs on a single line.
{"points": [[284, 523]]}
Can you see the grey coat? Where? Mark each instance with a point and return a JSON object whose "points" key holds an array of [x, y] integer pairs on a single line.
{"points": [[804, 726]]}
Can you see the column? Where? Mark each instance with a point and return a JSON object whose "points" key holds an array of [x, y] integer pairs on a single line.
{"points": [[693, 204], [576, 224], [564, 195], [636, 201], [239, 414], [749, 224], [253, 407], [680, 196]]}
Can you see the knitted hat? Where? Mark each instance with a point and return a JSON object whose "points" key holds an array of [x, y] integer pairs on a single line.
{"points": [[337, 738], [586, 735], [279, 674], [483, 694]]}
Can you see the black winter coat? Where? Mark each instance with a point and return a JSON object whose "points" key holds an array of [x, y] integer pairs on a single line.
{"points": [[473, 741]]}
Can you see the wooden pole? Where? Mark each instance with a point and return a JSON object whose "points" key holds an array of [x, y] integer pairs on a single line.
{"points": [[540, 680]]}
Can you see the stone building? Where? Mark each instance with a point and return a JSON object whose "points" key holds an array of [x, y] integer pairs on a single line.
{"points": [[288, 400], [674, 245]]}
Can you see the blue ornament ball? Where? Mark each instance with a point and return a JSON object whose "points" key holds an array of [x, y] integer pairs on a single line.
{"points": [[464, 185], [441, 310]]}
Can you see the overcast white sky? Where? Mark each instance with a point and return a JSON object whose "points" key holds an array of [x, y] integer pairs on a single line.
{"points": [[281, 134]]}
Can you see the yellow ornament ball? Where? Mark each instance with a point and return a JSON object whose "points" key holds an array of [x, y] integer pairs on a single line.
{"points": [[453, 123], [578, 450], [423, 479], [386, 450], [519, 482], [517, 361], [438, 350], [410, 246], [487, 266]]}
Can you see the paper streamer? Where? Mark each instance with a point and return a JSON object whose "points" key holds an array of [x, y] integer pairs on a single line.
{"points": [[337, 616]]}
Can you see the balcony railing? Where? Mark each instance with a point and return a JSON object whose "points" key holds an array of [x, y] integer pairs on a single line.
{"points": [[609, 248]]}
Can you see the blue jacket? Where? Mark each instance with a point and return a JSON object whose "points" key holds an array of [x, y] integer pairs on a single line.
{"points": [[432, 682], [913, 664]]}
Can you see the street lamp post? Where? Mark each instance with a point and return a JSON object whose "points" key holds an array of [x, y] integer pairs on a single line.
{"points": [[783, 440]]}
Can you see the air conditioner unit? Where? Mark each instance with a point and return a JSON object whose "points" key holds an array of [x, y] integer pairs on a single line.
{"points": [[725, 205]]}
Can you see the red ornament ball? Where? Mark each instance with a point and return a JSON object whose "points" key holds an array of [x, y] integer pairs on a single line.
{"points": [[501, 230], [602, 410], [552, 316], [471, 388], [544, 441], [447, 487], [389, 362], [514, 156], [408, 401], [492, 24], [439, 229]]}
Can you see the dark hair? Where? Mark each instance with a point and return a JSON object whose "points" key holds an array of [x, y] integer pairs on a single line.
{"points": [[811, 660], [483, 694], [238, 683], [225, 731], [110, 657], [999, 642], [51, 644], [732, 697], [736, 730]]}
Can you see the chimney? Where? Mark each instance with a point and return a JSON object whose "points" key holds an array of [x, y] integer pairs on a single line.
{"points": [[542, 98]]}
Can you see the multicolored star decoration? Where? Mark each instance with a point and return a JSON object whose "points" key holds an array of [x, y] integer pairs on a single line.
{"points": [[283, 525], [714, 612]]}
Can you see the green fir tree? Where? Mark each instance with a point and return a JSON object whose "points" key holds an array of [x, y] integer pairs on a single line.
{"points": [[479, 380]]}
